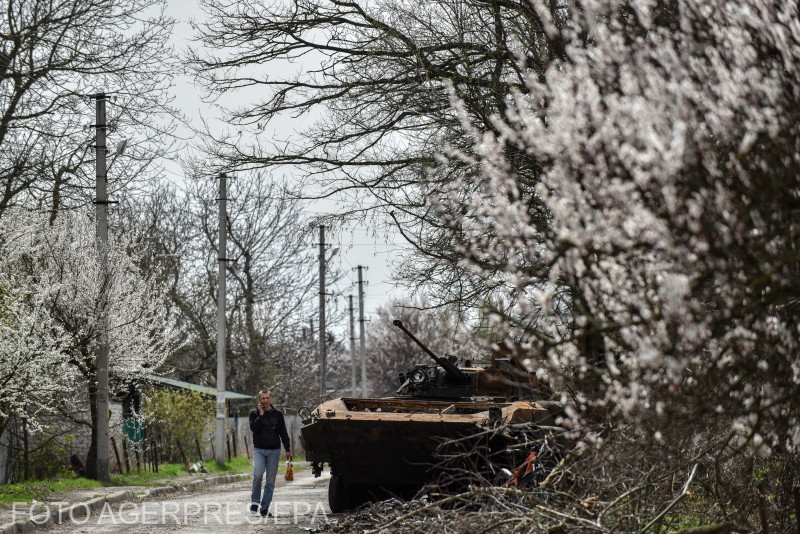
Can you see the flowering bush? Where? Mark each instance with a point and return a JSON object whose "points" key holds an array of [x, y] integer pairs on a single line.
{"points": [[653, 248], [33, 356]]}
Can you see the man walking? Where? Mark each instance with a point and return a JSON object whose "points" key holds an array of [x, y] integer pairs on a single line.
{"points": [[269, 430]]}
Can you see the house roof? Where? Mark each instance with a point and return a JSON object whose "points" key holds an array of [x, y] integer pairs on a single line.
{"points": [[205, 390]]}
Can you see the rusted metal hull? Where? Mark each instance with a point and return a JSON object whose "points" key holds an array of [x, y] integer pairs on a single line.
{"points": [[381, 452], [392, 442]]}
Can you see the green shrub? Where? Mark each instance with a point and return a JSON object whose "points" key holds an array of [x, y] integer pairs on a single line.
{"points": [[51, 458], [179, 415]]}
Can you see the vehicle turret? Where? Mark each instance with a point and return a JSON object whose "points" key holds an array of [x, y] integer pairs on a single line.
{"points": [[501, 381], [455, 374]]}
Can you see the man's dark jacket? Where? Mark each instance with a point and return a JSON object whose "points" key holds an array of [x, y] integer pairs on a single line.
{"points": [[269, 429]]}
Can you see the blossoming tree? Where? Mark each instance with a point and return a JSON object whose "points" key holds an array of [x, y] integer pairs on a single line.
{"points": [[641, 200], [62, 274], [32, 353]]}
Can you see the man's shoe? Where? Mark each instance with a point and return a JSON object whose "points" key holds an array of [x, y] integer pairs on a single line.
{"points": [[253, 508], [266, 513]]}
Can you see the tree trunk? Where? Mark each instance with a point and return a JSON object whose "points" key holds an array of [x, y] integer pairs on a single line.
{"points": [[91, 457], [26, 466]]}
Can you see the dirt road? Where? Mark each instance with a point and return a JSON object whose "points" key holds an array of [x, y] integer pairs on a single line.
{"points": [[300, 506]]}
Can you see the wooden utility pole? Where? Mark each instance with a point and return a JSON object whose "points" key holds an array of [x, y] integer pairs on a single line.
{"points": [[352, 348], [219, 450], [364, 387], [322, 377], [101, 210]]}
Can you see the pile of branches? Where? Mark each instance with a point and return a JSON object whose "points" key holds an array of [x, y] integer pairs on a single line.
{"points": [[482, 510], [477, 510], [692, 484]]}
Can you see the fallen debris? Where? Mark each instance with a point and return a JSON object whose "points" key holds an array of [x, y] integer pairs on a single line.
{"points": [[472, 512], [198, 467]]}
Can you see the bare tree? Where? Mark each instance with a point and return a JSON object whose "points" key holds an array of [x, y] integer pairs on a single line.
{"points": [[272, 270], [374, 79], [53, 56], [272, 279]]}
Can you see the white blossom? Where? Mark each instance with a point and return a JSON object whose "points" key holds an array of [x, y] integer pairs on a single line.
{"points": [[58, 290], [670, 176]]}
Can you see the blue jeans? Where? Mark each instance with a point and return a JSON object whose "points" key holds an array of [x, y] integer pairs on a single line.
{"points": [[264, 461]]}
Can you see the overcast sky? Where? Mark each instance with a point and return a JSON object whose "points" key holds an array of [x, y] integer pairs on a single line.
{"points": [[356, 246]]}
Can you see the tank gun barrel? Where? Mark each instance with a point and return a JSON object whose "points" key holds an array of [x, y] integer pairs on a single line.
{"points": [[444, 363]]}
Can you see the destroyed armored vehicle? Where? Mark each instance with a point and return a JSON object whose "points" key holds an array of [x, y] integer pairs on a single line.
{"points": [[378, 447]]}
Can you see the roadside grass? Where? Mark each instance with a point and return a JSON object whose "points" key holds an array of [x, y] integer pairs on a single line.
{"points": [[239, 464], [40, 489]]}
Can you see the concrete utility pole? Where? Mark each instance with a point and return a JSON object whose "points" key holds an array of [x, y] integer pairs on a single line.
{"points": [[219, 437], [364, 388], [353, 363], [101, 207], [322, 364]]}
